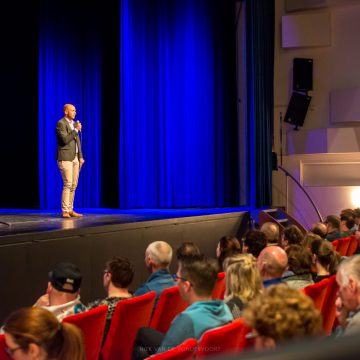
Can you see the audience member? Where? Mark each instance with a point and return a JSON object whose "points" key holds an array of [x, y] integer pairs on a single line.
{"points": [[320, 229], [227, 246], [187, 249], [272, 233], [280, 315], [254, 242], [62, 295], [35, 333], [292, 235], [196, 279], [272, 262], [332, 223], [118, 275], [299, 267], [243, 282], [347, 225], [348, 300], [308, 238], [158, 257], [357, 218], [325, 258]]}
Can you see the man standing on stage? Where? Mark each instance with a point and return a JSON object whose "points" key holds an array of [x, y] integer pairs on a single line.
{"points": [[69, 158]]}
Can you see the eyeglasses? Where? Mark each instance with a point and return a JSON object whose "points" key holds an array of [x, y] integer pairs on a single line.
{"points": [[177, 278], [10, 351]]}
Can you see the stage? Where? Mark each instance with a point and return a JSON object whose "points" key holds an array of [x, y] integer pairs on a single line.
{"points": [[32, 241]]}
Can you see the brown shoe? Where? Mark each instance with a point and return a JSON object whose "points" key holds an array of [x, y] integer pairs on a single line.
{"points": [[65, 215], [75, 214]]}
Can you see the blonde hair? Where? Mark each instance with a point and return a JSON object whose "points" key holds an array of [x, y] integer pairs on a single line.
{"points": [[39, 326], [243, 278]]}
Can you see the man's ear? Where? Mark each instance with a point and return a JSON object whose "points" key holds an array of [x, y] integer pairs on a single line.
{"points": [[34, 351], [353, 284], [49, 287]]}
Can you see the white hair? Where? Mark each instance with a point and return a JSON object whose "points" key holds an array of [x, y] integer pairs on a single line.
{"points": [[350, 268], [160, 253]]}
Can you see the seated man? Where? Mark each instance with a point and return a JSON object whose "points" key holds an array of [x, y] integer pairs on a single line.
{"points": [[272, 262], [281, 314], [118, 275], [196, 278], [158, 257], [272, 233], [254, 242], [332, 223], [348, 301], [62, 295]]}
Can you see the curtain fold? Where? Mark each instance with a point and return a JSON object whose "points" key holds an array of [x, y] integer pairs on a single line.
{"points": [[176, 96], [260, 31]]}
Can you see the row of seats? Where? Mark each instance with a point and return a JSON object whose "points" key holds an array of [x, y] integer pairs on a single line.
{"points": [[346, 246]]}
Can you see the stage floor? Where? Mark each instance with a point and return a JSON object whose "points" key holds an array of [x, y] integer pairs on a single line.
{"points": [[25, 221]]}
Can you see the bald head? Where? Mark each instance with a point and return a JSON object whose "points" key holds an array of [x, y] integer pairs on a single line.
{"points": [[272, 262], [271, 231], [320, 229], [69, 111]]}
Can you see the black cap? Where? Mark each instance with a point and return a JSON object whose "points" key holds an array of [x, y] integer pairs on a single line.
{"points": [[65, 277]]}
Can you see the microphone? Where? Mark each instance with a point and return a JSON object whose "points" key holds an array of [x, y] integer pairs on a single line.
{"points": [[77, 122]]}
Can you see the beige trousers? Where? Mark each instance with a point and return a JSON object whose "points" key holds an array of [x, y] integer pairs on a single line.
{"points": [[70, 175]]}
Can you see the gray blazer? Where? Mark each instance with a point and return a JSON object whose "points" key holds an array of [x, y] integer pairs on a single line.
{"points": [[66, 141]]}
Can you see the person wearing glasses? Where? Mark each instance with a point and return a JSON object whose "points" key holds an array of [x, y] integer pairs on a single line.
{"points": [[35, 333], [196, 278], [118, 275]]}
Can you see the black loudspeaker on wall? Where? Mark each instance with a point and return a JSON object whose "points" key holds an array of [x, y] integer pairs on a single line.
{"points": [[297, 109], [302, 74]]}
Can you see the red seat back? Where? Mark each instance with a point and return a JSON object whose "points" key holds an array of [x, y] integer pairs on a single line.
{"points": [[92, 324], [219, 288], [352, 246], [3, 354], [343, 246], [183, 351], [328, 311], [335, 244], [225, 339], [129, 316], [168, 306], [317, 292]]}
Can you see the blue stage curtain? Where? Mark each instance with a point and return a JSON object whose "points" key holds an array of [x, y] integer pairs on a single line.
{"points": [[69, 72], [260, 34], [174, 127]]}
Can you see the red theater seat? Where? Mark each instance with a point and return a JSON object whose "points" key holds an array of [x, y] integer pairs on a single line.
{"points": [[168, 306], [129, 316], [183, 351], [229, 338], [3, 354], [92, 324], [317, 292], [219, 289]]}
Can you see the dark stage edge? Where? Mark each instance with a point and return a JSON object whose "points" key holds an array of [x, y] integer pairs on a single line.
{"points": [[24, 224], [31, 242]]}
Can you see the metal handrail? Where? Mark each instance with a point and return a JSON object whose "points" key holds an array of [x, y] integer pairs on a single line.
{"points": [[302, 188]]}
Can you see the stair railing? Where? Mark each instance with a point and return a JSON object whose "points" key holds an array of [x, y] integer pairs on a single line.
{"points": [[302, 188]]}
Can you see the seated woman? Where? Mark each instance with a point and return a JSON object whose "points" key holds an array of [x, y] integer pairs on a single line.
{"points": [[243, 282], [36, 333], [325, 258], [299, 267], [118, 275], [227, 246], [280, 315]]}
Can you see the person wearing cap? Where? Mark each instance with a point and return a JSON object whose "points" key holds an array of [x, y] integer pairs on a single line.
{"points": [[62, 295]]}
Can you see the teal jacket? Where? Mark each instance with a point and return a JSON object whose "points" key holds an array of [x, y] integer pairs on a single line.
{"points": [[194, 321]]}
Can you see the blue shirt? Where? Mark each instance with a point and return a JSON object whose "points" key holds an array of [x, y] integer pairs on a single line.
{"points": [[275, 281], [194, 321], [157, 281]]}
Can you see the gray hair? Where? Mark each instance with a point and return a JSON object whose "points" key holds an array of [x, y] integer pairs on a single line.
{"points": [[160, 253], [350, 268]]}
